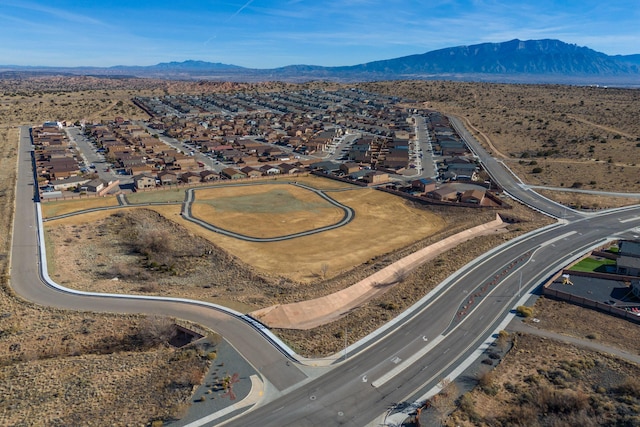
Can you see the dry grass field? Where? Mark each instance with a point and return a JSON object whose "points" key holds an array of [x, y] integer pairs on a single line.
{"points": [[542, 382], [51, 209], [264, 210], [89, 250], [50, 347], [587, 201], [578, 136], [375, 230]]}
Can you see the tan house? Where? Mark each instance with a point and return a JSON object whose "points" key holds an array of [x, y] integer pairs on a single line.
{"points": [[349, 167], [472, 196], [190, 178], [251, 172], [144, 181], [376, 177], [231, 173], [207, 175], [425, 185], [444, 194], [167, 178]]}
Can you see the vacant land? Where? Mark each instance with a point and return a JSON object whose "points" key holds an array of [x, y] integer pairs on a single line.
{"points": [[176, 257], [542, 382], [67, 368], [51, 209], [264, 210], [587, 201], [548, 134], [140, 371]]}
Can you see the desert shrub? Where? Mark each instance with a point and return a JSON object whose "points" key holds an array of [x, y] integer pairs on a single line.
{"points": [[561, 401], [467, 407], [524, 416], [536, 170], [156, 330], [389, 306], [630, 387], [212, 355], [524, 311]]}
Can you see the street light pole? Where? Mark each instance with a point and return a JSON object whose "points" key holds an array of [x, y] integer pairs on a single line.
{"points": [[345, 343]]}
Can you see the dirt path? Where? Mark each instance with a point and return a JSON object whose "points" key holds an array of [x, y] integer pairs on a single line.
{"points": [[319, 311], [605, 128], [518, 326], [484, 136]]}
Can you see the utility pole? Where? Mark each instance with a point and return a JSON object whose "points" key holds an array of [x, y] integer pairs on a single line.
{"points": [[345, 343]]}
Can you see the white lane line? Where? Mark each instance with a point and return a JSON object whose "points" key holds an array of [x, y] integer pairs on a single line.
{"points": [[408, 362], [629, 219], [563, 236]]}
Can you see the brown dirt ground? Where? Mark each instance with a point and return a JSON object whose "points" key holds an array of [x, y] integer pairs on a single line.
{"points": [[575, 134], [264, 210], [537, 369], [300, 259], [542, 382], [35, 100]]}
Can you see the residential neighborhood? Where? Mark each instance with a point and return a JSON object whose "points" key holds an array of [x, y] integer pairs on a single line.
{"points": [[351, 135]]}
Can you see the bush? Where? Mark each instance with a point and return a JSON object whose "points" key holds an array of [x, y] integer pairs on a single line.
{"points": [[536, 170], [212, 355], [629, 387], [389, 306], [524, 311]]}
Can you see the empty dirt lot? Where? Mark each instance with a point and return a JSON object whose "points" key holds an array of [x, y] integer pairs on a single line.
{"points": [[606, 114]]}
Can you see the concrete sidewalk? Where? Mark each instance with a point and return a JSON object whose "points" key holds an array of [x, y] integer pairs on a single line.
{"points": [[319, 311]]}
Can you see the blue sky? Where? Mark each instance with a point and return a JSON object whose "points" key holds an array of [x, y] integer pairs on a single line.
{"points": [[268, 34]]}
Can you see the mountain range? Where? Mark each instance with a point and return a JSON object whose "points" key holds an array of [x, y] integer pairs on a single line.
{"points": [[531, 61]]}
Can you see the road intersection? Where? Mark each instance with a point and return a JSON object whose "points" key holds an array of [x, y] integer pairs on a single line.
{"points": [[403, 361]]}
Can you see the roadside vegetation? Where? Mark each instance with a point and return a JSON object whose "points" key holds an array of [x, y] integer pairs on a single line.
{"points": [[61, 367], [553, 135]]}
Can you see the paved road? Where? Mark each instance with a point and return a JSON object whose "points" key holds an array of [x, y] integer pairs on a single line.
{"points": [[26, 281], [406, 358], [426, 161], [348, 216], [440, 338], [509, 182], [91, 156]]}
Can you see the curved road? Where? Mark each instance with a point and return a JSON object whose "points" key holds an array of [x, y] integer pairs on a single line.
{"points": [[400, 362], [348, 216]]}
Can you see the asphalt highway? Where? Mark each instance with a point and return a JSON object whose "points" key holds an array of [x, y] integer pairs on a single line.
{"points": [[403, 361], [347, 396]]}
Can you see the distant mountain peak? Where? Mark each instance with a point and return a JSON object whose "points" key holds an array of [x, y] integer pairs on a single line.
{"points": [[523, 61], [195, 64], [547, 56]]}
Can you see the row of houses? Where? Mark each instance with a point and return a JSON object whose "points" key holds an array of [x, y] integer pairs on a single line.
{"points": [[131, 148], [163, 178], [55, 157]]}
